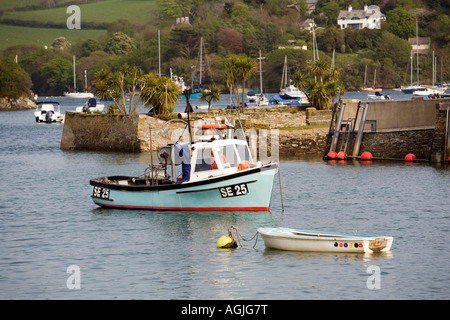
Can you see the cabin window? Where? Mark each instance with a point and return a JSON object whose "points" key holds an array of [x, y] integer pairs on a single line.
{"points": [[204, 160], [228, 156], [244, 153]]}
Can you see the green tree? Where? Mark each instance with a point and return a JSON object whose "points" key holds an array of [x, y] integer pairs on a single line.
{"points": [[14, 81], [213, 94], [58, 74], [401, 23], [322, 86], [119, 44], [61, 43], [245, 68], [89, 46]]}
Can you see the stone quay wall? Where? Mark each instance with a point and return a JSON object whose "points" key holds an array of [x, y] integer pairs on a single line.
{"points": [[100, 132], [424, 136]]}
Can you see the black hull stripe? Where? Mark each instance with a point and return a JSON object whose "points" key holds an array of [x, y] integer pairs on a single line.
{"points": [[114, 186]]}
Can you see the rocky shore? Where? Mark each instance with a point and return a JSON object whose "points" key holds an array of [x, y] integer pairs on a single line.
{"points": [[22, 103]]}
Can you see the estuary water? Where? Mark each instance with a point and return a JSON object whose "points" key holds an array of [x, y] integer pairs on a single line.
{"points": [[57, 244]]}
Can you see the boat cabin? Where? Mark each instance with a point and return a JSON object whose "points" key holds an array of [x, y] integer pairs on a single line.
{"points": [[212, 155], [219, 157]]}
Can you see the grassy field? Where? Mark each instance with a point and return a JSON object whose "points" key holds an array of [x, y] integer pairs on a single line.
{"points": [[12, 35], [140, 11], [103, 11]]}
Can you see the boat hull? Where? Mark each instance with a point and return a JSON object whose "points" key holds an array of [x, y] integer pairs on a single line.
{"points": [[247, 190], [313, 241], [78, 95]]}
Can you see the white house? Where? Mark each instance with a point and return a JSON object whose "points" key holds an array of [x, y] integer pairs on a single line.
{"points": [[370, 17]]}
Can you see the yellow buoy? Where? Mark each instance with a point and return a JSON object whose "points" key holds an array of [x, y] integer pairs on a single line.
{"points": [[226, 242]]}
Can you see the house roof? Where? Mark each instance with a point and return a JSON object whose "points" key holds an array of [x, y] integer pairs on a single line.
{"points": [[368, 12]]}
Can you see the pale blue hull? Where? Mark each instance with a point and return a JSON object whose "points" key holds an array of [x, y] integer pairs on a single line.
{"points": [[239, 192]]}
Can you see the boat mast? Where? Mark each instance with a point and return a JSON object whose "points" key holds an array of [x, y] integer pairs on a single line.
{"points": [[201, 59], [159, 53], [74, 76], [260, 72], [417, 50]]}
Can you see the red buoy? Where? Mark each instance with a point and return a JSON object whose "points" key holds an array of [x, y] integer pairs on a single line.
{"points": [[410, 157], [342, 155], [332, 155], [366, 156]]}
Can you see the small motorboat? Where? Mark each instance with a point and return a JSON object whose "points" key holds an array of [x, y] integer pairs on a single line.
{"points": [[91, 106], [315, 241], [379, 96], [48, 112]]}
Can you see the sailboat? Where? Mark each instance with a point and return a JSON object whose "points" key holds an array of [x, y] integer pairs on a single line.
{"points": [[414, 87], [196, 93], [289, 91], [372, 88], [75, 94], [261, 99], [433, 90]]}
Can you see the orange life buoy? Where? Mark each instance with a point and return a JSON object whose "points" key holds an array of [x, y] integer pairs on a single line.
{"points": [[213, 126]]}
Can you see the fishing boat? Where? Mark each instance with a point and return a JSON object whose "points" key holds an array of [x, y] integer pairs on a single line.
{"points": [[218, 173], [314, 241], [48, 112]]}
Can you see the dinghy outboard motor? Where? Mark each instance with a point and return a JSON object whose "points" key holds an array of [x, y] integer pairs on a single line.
{"points": [[91, 103], [48, 116]]}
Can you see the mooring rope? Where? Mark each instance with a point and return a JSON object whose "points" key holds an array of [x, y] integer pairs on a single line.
{"points": [[239, 236]]}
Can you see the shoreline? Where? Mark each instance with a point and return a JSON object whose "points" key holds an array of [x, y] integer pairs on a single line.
{"points": [[22, 103]]}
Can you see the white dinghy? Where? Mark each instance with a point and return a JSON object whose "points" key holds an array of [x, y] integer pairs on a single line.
{"points": [[302, 240]]}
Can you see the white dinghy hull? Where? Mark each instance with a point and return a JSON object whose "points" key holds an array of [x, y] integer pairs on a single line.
{"points": [[314, 241]]}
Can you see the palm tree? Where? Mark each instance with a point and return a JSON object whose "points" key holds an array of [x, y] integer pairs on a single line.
{"points": [[319, 68], [320, 93], [245, 68], [213, 94], [165, 95], [231, 75], [144, 90], [238, 67]]}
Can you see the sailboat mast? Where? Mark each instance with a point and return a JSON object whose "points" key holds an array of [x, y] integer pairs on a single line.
{"points": [[417, 49], [201, 58], [260, 72], [74, 76], [159, 53]]}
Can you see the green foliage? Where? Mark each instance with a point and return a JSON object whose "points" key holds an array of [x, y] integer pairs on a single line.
{"points": [[401, 23], [58, 74], [14, 81], [119, 44], [131, 90], [212, 94]]}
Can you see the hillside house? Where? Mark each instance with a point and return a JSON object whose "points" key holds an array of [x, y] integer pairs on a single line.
{"points": [[420, 45], [370, 17]]}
